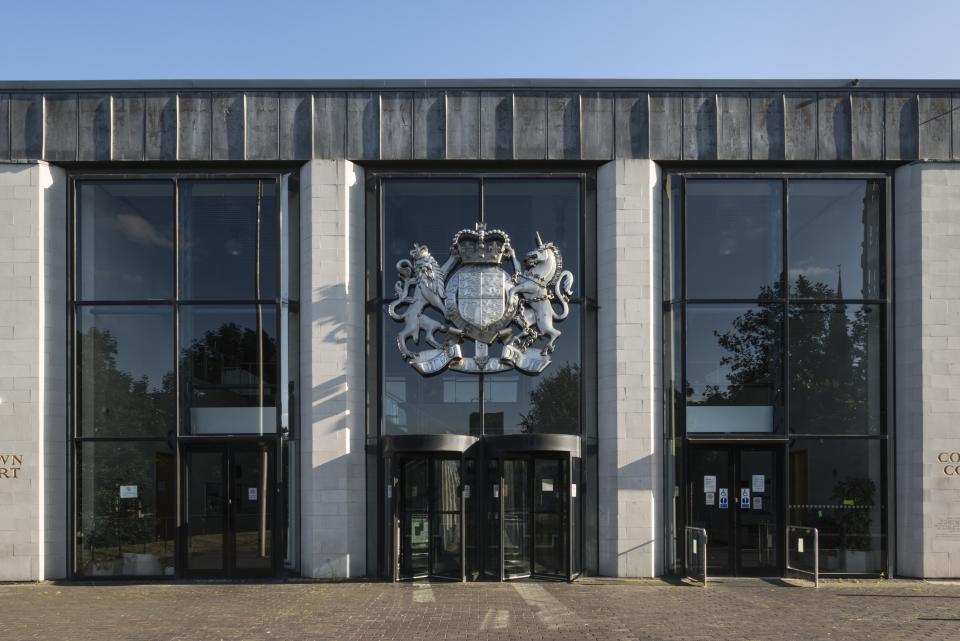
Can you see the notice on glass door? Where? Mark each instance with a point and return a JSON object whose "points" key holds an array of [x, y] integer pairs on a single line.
{"points": [[758, 484], [710, 497], [251, 494], [709, 483], [745, 498]]}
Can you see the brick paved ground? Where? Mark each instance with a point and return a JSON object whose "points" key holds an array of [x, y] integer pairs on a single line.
{"points": [[594, 609]]}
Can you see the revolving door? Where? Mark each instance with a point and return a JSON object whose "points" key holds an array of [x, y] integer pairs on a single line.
{"points": [[427, 499], [531, 508], [498, 508], [430, 517]]}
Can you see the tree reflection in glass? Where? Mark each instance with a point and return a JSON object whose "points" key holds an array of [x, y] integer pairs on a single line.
{"points": [[733, 367], [126, 385], [125, 509], [555, 403], [834, 363], [835, 366], [230, 361]]}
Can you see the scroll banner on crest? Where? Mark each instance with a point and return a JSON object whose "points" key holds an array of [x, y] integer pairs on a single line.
{"points": [[434, 361]]}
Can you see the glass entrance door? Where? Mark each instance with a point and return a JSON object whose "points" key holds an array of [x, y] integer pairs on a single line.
{"points": [[229, 510], [429, 517], [734, 493], [517, 524], [528, 518]]}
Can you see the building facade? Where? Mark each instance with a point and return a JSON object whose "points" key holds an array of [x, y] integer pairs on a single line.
{"points": [[478, 330]]}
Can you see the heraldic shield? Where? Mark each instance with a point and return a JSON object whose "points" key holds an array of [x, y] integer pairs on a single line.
{"points": [[472, 297]]}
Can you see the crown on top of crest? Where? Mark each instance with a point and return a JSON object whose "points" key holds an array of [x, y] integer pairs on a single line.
{"points": [[480, 245]]}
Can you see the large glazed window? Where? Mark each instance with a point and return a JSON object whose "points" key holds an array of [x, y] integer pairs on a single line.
{"points": [[126, 508], [776, 308], [228, 240], [734, 247], [125, 240], [125, 384], [185, 315], [782, 293], [733, 367], [429, 211], [229, 368], [836, 356], [836, 486], [836, 234]]}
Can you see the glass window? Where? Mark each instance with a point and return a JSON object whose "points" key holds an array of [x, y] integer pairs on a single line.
{"points": [[836, 486], [545, 404], [430, 211], [672, 368], [448, 403], [125, 384], [733, 369], [427, 212], [734, 238], [230, 368], [836, 234], [126, 498], [125, 236], [835, 369], [227, 229], [548, 206]]}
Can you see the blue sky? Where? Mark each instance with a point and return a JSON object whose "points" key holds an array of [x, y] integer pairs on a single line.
{"points": [[93, 39]]}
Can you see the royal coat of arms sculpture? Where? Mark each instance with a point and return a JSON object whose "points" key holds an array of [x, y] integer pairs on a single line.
{"points": [[481, 302]]}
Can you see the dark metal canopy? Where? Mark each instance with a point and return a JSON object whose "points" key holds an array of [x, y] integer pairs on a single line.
{"points": [[594, 121]]}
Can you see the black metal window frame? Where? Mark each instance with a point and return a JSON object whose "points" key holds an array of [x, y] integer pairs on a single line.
{"points": [[282, 177], [677, 445], [375, 302]]}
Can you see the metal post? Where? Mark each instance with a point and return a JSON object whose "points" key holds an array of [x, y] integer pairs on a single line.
{"points": [[815, 572], [693, 535], [816, 558], [264, 473], [500, 505]]}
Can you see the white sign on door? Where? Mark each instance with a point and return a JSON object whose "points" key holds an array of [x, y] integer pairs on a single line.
{"points": [[710, 497], [709, 483], [128, 491], [758, 484]]}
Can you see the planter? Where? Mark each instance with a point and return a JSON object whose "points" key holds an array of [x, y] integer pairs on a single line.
{"points": [[141, 564]]}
